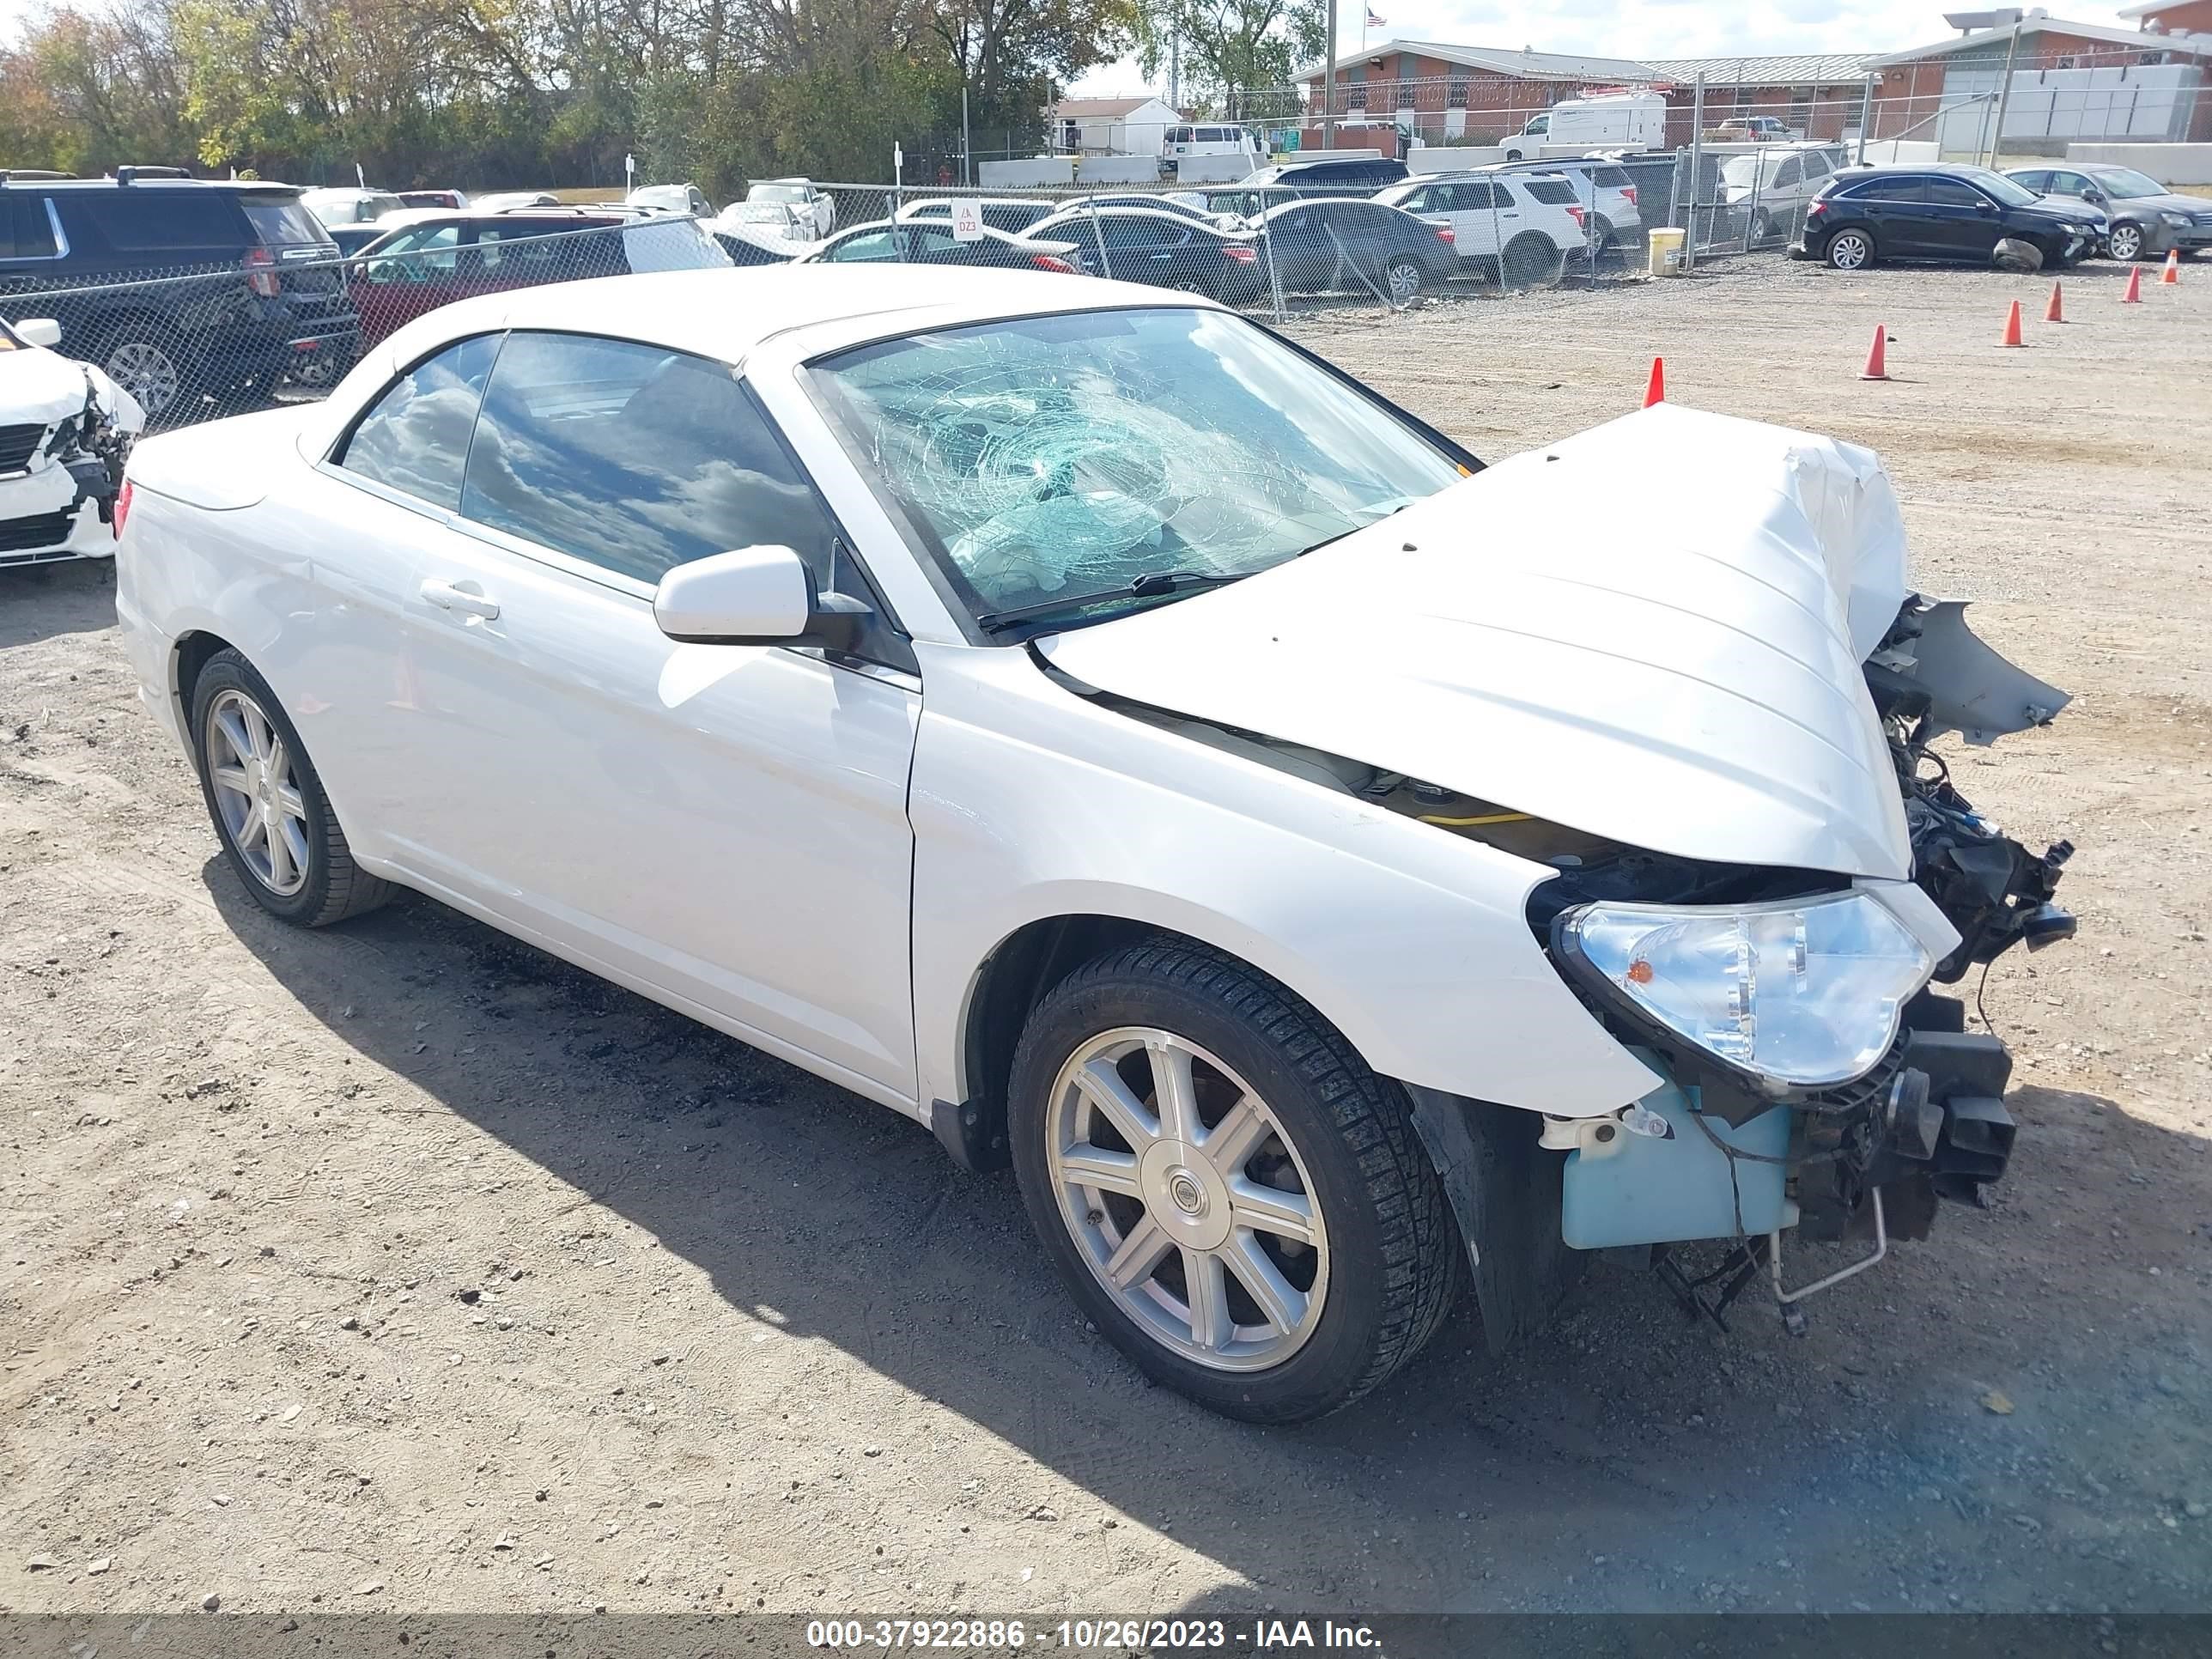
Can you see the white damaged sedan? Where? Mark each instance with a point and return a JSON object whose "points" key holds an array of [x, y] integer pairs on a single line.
{"points": [[65, 431], [1080, 721]]}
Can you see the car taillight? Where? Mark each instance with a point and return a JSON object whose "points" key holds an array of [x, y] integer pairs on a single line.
{"points": [[122, 508], [1446, 233], [1628, 194], [1577, 213], [1816, 210], [1048, 262], [261, 273], [1243, 256]]}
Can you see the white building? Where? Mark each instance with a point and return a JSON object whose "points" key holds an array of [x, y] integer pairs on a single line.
{"points": [[1112, 127]]}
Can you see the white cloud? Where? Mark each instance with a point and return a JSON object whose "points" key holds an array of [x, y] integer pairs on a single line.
{"points": [[1640, 28]]}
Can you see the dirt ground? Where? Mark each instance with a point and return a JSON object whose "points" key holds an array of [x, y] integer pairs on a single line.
{"points": [[399, 1267]]}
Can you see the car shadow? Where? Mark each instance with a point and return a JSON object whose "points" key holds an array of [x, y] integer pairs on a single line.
{"points": [[72, 596], [1629, 1458]]}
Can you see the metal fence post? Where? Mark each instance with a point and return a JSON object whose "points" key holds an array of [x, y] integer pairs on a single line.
{"points": [[1751, 213], [1865, 117], [1274, 274], [1098, 235], [1697, 169], [2004, 94]]}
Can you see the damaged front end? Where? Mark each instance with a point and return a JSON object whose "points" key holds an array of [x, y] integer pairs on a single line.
{"points": [[1732, 1149], [63, 444]]}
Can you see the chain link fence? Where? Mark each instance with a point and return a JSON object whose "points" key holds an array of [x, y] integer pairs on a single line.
{"points": [[192, 343]]}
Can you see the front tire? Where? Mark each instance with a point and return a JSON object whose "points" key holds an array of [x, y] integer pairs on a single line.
{"points": [[266, 801], [1237, 1202]]}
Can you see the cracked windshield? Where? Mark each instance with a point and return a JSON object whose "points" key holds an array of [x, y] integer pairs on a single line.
{"points": [[1052, 462]]}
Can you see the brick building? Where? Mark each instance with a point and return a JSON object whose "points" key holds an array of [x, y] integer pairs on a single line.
{"points": [[1819, 94], [2096, 81], [1450, 95]]}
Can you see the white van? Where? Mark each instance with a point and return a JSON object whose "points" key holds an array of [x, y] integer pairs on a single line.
{"points": [[1611, 120], [1179, 142]]}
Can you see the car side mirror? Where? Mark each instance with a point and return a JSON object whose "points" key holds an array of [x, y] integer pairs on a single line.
{"points": [[754, 595], [2095, 195], [39, 331]]}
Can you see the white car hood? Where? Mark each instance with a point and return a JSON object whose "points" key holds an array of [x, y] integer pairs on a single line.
{"points": [[42, 386], [1651, 632]]}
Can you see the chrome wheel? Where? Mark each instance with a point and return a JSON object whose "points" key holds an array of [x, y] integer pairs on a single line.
{"points": [[257, 794], [1186, 1200], [2125, 241], [1404, 280], [148, 372], [1849, 251]]}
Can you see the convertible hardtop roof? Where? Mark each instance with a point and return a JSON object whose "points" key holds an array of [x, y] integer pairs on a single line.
{"points": [[725, 314]]}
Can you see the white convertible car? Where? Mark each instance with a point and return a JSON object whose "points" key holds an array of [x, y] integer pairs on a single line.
{"points": [[1078, 719], [66, 429]]}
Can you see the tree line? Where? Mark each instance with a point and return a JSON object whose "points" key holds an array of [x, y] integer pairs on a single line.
{"points": [[490, 94]]}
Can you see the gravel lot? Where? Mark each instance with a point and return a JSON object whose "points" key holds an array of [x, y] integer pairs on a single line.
{"points": [[400, 1266]]}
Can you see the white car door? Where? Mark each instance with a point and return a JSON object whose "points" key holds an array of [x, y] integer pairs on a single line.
{"points": [[723, 826]]}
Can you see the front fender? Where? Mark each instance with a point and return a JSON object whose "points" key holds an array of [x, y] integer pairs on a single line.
{"points": [[1030, 802]]}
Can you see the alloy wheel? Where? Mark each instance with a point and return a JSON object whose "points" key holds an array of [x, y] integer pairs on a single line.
{"points": [[256, 792], [1187, 1199], [2125, 241], [1404, 280], [148, 372], [1848, 250]]}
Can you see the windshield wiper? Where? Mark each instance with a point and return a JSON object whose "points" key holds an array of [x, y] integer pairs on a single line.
{"points": [[1153, 584]]}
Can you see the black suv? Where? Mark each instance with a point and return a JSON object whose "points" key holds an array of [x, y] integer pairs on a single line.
{"points": [[181, 289], [1937, 212]]}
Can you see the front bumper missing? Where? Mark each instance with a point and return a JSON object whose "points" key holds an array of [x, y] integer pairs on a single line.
{"points": [[1867, 1162]]}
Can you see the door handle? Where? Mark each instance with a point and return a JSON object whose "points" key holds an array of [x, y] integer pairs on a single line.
{"points": [[446, 596]]}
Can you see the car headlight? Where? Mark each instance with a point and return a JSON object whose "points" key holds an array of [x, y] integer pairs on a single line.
{"points": [[1803, 992], [2177, 220]]}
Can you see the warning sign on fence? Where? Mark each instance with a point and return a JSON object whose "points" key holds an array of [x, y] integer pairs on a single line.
{"points": [[967, 219]]}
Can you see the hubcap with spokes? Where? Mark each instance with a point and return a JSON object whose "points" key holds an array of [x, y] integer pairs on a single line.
{"points": [[2126, 242], [147, 373], [1848, 252], [1187, 1199], [1405, 282], [256, 792]]}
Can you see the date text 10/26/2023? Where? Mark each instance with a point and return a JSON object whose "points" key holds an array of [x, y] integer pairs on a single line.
{"points": [[1095, 1635]]}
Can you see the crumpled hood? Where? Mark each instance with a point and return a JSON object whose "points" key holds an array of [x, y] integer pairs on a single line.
{"points": [[42, 386], [1651, 632]]}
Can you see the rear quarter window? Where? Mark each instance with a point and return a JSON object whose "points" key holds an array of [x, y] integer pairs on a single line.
{"points": [[281, 221], [1556, 191], [139, 219]]}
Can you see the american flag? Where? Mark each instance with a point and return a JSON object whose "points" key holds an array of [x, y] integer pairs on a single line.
{"points": [[1375, 21]]}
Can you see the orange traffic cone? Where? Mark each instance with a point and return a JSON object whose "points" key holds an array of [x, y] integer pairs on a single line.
{"points": [[1655, 390], [2012, 327], [2055, 311], [2134, 295], [1876, 367], [2172, 275]]}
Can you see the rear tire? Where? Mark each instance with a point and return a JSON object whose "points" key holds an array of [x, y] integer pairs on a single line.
{"points": [[1337, 1310], [1849, 249], [266, 801], [2125, 243], [1530, 261], [1401, 280], [147, 361]]}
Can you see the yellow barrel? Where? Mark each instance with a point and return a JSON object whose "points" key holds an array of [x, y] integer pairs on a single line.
{"points": [[1665, 255]]}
